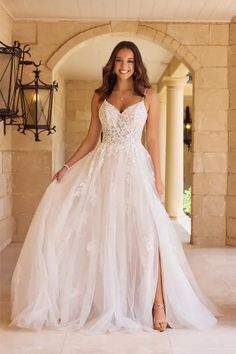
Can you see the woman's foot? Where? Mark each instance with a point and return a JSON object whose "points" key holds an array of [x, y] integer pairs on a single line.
{"points": [[159, 317]]}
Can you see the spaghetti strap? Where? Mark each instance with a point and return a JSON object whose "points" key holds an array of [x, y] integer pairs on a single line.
{"points": [[145, 93]]}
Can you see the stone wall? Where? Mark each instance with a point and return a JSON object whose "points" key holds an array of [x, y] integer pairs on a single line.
{"points": [[78, 112], [231, 198], [210, 134], [5, 27], [31, 166], [6, 218], [203, 48], [31, 161]]}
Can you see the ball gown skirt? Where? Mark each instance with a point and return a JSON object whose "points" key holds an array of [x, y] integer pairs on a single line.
{"points": [[89, 260]]}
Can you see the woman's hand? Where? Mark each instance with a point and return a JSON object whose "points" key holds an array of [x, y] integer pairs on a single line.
{"points": [[59, 175], [160, 187]]}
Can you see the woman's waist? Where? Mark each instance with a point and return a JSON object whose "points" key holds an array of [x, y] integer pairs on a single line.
{"points": [[119, 141]]}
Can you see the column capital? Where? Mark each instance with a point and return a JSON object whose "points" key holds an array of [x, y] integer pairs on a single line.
{"points": [[174, 81]]}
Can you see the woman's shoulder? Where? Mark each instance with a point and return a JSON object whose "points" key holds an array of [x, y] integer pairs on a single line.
{"points": [[97, 100], [150, 94], [96, 96]]}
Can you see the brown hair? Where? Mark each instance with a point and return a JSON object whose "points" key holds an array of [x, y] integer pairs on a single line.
{"points": [[140, 77]]}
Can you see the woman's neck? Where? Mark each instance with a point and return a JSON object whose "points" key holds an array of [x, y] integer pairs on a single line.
{"points": [[124, 85]]}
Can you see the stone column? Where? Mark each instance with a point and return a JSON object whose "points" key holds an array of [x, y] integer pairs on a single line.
{"points": [[162, 135], [174, 146]]}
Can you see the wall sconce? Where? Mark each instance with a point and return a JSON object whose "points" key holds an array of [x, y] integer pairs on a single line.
{"points": [[29, 106], [10, 72], [36, 104], [190, 78], [188, 129]]}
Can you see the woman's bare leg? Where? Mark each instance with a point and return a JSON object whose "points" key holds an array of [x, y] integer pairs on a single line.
{"points": [[159, 317]]}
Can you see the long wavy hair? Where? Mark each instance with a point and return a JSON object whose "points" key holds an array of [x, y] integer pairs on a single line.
{"points": [[140, 77]]}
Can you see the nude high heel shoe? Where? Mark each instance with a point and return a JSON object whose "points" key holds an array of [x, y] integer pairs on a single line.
{"points": [[159, 318]]}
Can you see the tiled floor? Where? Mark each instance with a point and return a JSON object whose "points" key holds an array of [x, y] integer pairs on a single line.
{"points": [[215, 271]]}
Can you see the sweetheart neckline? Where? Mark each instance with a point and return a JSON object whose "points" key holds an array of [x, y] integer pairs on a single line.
{"points": [[134, 104]]}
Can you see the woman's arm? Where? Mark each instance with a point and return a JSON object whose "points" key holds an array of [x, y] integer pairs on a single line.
{"points": [[90, 141], [152, 130]]}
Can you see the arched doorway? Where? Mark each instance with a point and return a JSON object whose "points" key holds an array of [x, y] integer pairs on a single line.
{"points": [[59, 63]]}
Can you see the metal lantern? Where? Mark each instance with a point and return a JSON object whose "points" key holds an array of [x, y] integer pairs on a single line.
{"points": [[188, 128], [29, 106], [36, 104], [10, 72]]}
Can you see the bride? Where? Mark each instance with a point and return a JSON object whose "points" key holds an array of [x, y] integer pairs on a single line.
{"points": [[101, 253]]}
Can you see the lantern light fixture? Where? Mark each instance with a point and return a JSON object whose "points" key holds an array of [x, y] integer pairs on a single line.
{"points": [[11, 71], [188, 128], [29, 106], [36, 104]]}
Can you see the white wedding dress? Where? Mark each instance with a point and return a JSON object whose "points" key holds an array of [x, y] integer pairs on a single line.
{"points": [[89, 261]]}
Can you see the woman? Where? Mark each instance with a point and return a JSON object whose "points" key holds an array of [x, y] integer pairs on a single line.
{"points": [[101, 253]]}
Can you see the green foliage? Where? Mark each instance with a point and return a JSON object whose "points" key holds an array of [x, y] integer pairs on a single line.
{"points": [[187, 201]]}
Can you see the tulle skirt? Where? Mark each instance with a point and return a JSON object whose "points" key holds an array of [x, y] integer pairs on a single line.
{"points": [[91, 255]]}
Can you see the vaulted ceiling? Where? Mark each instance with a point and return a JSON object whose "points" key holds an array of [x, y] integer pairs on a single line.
{"points": [[158, 10]]}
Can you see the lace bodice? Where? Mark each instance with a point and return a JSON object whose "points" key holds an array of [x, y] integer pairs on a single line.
{"points": [[122, 127]]}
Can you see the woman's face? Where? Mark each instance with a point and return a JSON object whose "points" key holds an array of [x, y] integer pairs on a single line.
{"points": [[124, 63]]}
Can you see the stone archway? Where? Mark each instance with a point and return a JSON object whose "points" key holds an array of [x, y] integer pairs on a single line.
{"points": [[208, 222], [143, 31]]}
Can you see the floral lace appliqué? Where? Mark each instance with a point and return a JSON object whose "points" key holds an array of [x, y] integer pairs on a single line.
{"points": [[122, 128]]}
